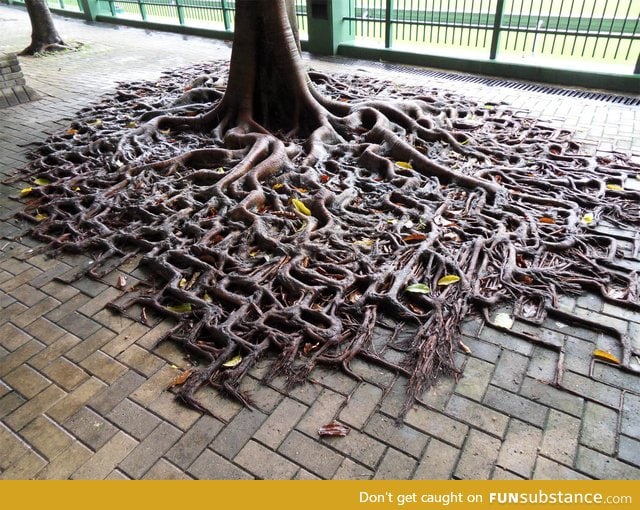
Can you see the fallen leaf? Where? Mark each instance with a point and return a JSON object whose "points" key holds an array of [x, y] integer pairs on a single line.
{"points": [[546, 219], [464, 347], [25, 191], [302, 190], [615, 187], [207, 298], [324, 178], [40, 216], [233, 361], [96, 123], [181, 308], [587, 218], [122, 282], [219, 170], [448, 279], [404, 164], [503, 320], [300, 207], [605, 356], [179, 379], [182, 283], [41, 181], [334, 429], [72, 131], [132, 124], [418, 288], [414, 237], [277, 186], [308, 347]]}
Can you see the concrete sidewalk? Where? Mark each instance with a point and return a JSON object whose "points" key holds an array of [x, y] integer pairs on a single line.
{"points": [[82, 390]]}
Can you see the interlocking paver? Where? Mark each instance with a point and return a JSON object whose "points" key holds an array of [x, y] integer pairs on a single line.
{"points": [[99, 465], [276, 427], [594, 463], [478, 415], [66, 462], [25, 467], [350, 470], [194, 441], [475, 380], [65, 374], [133, 419], [265, 463], [27, 381], [152, 447], [515, 405], [238, 432], [560, 437], [91, 428], [395, 465], [310, 454], [47, 437], [478, 456], [599, 427], [362, 402], [547, 469], [116, 392], [163, 470], [211, 466], [438, 462], [75, 400], [34, 407], [520, 448], [437, 425], [398, 435]]}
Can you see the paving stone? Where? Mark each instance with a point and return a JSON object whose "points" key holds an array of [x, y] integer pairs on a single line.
{"points": [[12, 448], [520, 448], [629, 450], [599, 427], [163, 470], [100, 465], [115, 393], [133, 419], [560, 439], [194, 441], [303, 474], [173, 411], [590, 389], [477, 415], [398, 435], [34, 407], [478, 456], [75, 400], [503, 474], [437, 425], [91, 428], [211, 466], [47, 437], [516, 406], [613, 376], [26, 381], [438, 462], [79, 325], [362, 402], [265, 463], [475, 378], [149, 390], [263, 397], [124, 339], [482, 350], [140, 360], [630, 425], [238, 432], [276, 427], [11, 337], [104, 367], [147, 453], [311, 455], [395, 465], [89, 345], [372, 373], [19, 356], [358, 446], [543, 364], [600, 466], [65, 374], [45, 331], [10, 402], [506, 341], [66, 462], [24, 468], [510, 370], [547, 469], [550, 396], [323, 411], [350, 470]]}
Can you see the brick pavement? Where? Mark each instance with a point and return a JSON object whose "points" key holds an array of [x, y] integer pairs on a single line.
{"points": [[82, 391]]}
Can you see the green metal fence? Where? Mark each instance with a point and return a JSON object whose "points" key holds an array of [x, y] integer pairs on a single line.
{"points": [[591, 35], [596, 31]]}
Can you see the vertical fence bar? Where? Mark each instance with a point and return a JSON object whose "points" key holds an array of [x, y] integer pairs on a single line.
{"points": [[143, 10], [180, 11], [388, 35], [225, 15], [497, 22]]}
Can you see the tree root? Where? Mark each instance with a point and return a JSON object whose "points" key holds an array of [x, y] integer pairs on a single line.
{"points": [[295, 245]]}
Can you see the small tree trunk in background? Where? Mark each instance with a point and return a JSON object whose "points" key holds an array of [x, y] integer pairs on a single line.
{"points": [[44, 36]]}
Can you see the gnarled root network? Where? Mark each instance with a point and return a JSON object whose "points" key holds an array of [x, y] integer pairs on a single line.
{"points": [[299, 246]]}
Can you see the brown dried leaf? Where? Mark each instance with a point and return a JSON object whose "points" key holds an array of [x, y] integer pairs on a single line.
{"points": [[546, 219], [334, 429], [181, 378], [414, 237], [122, 282]]}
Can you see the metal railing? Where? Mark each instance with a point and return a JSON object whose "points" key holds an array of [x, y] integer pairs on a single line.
{"points": [[547, 33], [598, 31]]}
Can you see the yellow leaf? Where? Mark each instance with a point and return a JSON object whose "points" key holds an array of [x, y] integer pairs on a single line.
{"points": [[40, 181], [25, 191], [605, 356], [448, 279], [40, 216], [207, 298], [301, 208], [278, 186], [179, 379], [165, 131], [220, 170], [97, 122], [365, 242], [182, 283], [233, 361], [587, 218], [418, 288], [615, 187], [132, 124], [404, 164], [77, 188], [181, 308], [302, 190]]}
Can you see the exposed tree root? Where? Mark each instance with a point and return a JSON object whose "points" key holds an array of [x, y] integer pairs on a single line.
{"points": [[297, 245]]}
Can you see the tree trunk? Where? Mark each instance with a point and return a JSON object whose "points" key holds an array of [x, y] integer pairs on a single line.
{"points": [[267, 84], [44, 36]]}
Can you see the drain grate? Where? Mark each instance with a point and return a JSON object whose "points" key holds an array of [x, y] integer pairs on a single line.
{"points": [[496, 82]]}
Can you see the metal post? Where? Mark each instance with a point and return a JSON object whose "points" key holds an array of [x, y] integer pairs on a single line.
{"points": [[180, 10], [497, 23], [225, 15], [388, 35], [143, 10], [637, 69]]}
